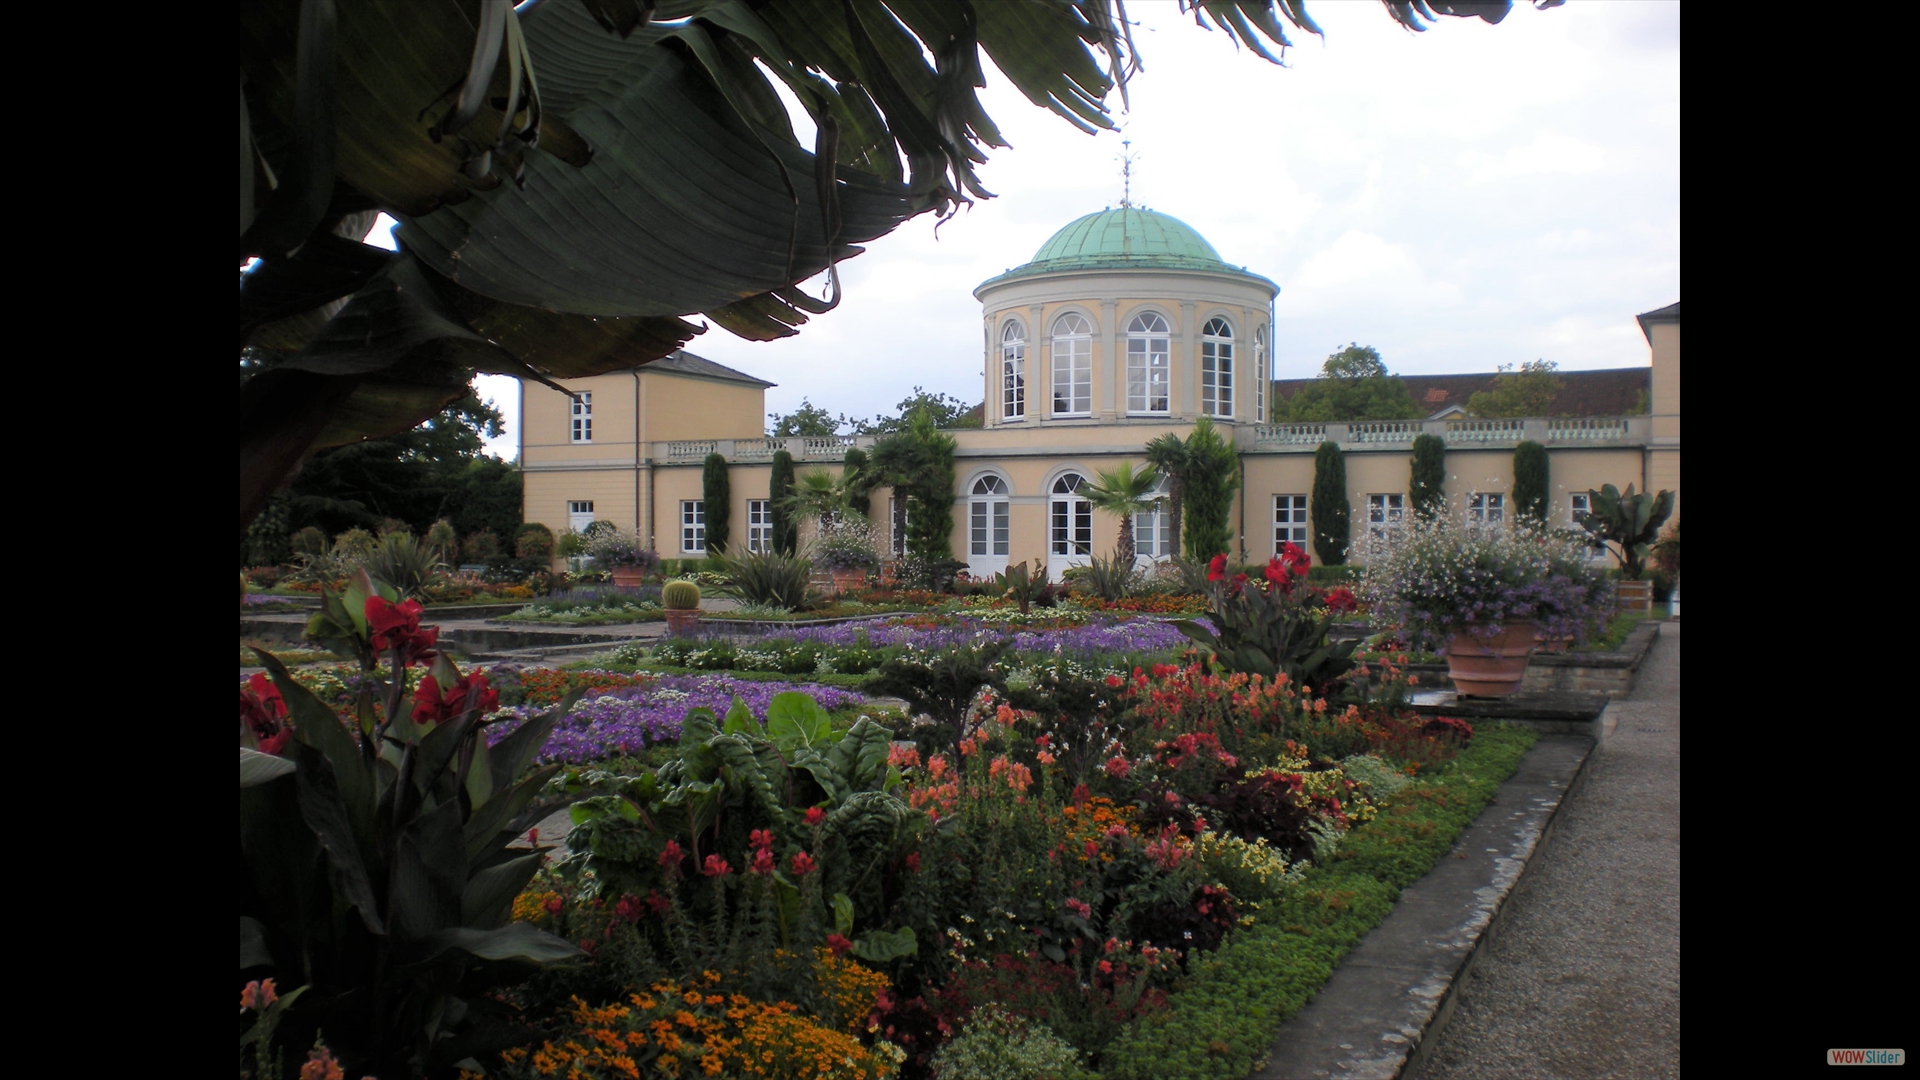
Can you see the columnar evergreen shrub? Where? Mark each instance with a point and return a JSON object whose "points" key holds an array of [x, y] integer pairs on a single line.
{"points": [[857, 477], [718, 493], [1531, 481], [1213, 475], [1427, 484], [786, 531], [1332, 516]]}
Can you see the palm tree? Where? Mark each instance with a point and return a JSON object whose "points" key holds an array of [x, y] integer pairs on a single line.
{"points": [[654, 175], [1168, 453], [817, 496], [1125, 493]]}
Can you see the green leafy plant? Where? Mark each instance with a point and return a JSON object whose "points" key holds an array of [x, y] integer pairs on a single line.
{"points": [[376, 871], [858, 477], [354, 543], [1428, 481], [1532, 482], [1213, 475], [943, 683], [1123, 493], [786, 532], [918, 463], [1629, 522], [680, 596], [996, 1045], [716, 493], [480, 546], [1168, 454], [533, 541], [770, 578], [570, 544], [1021, 585], [405, 563], [1110, 579], [310, 541], [1264, 627], [1332, 515], [441, 538]]}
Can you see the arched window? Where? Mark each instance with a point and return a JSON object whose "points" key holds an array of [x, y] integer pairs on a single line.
{"points": [[1148, 377], [987, 520], [1260, 375], [1216, 368], [1013, 371], [1153, 528], [1072, 366], [1069, 518]]}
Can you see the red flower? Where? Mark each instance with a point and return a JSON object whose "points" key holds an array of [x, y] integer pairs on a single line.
{"points": [[1118, 768], [660, 904], [1217, 569], [1340, 600], [257, 996], [762, 862], [761, 839], [815, 815], [838, 944], [802, 864], [1276, 572], [321, 1066], [1115, 682], [553, 905], [670, 858], [397, 626], [265, 711], [1080, 907], [716, 867], [913, 862], [628, 908], [469, 692]]}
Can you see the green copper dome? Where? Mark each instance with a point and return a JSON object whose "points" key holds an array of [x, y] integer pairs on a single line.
{"points": [[1127, 238]]}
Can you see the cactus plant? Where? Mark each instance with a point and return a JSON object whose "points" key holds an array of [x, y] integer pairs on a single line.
{"points": [[1629, 522], [680, 596]]}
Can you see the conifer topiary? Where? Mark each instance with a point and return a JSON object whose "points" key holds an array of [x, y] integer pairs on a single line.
{"points": [[1332, 516]]}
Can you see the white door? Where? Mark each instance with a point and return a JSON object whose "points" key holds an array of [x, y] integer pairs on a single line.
{"points": [[1069, 526], [579, 515], [987, 528]]}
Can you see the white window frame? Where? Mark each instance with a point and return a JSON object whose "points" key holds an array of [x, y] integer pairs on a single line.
{"points": [[1260, 375], [579, 514], [582, 413], [1069, 518], [1386, 516], [1290, 522], [1216, 368], [1149, 365], [1486, 511], [1153, 533], [1072, 365], [759, 525], [693, 526], [988, 520], [1013, 371]]}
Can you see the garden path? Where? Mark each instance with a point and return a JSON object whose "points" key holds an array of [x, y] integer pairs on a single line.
{"points": [[1583, 979]]}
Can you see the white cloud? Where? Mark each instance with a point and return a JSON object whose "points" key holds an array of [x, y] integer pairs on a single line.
{"points": [[1549, 153]]}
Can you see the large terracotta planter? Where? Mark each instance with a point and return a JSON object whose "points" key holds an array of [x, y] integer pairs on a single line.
{"points": [[681, 622], [628, 577], [1634, 596], [1490, 667], [848, 580]]}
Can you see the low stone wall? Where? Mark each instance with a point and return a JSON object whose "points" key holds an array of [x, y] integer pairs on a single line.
{"points": [[1611, 673]]}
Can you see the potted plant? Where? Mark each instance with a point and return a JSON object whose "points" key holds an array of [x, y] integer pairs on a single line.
{"points": [[682, 601], [620, 552], [846, 551], [1630, 524], [1476, 595]]}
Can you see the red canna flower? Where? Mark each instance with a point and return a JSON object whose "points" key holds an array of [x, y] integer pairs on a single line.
{"points": [[553, 905], [265, 711], [840, 945], [1217, 569], [628, 908], [802, 864], [470, 691], [397, 626], [815, 815], [670, 858], [913, 862]]}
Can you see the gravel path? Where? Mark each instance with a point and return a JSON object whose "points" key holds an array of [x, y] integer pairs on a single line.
{"points": [[1584, 977]]}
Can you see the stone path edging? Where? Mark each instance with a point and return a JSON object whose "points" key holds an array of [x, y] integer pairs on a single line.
{"points": [[1393, 993]]}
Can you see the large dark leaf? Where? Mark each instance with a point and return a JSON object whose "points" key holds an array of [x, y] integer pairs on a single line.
{"points": [[485, 830], [326, 815], [488, 898], [514, 941], [258, 768], [690, 210], [429, 873]]}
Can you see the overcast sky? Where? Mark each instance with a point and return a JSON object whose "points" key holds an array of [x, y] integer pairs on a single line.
{"points": [[1459, 199]]}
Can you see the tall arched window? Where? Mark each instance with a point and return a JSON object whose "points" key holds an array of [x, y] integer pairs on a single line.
{"points": [[1216, 368], [1148, 377], [1072, 366], [1260, 375], [1069, 519], [987, 519], [1013, 371], [1153, 529]]}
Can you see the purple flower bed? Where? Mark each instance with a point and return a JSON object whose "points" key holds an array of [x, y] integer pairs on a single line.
{"points": [[1120, 636], [627, 721]]}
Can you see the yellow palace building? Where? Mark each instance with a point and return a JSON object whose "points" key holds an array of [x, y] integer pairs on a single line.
{"points": [[1125, 325]]}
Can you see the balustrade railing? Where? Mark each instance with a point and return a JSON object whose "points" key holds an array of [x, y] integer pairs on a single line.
{"points": [[691, 449], [1485, 431], [1290, 434], [1384, 431], [1587, 428]]}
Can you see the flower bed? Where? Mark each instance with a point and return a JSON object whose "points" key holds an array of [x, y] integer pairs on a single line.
{"points": [[602, 611], [647, 711]]}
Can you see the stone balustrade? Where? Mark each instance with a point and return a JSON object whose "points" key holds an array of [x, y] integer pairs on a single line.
{"points": [[753, 451], [1460, 432]]}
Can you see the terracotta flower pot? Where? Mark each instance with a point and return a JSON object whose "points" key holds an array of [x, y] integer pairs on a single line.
{"points": [[681, 622], [1490, 667], [628, 577], [1634, 596], [848, 580]]}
